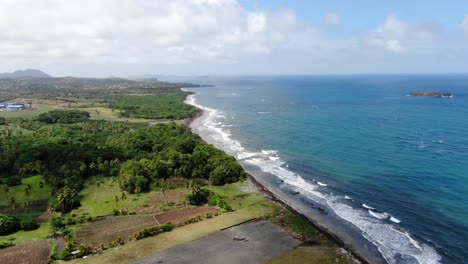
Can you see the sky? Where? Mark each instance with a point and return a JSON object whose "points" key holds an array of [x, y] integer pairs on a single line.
{"points": [[98, 38]]}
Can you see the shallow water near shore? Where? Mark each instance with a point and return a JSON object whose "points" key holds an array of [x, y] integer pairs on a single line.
{"points": [[390, 167]]}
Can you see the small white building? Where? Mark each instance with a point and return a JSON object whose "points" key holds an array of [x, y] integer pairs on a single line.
{"points": [[12, 106]]}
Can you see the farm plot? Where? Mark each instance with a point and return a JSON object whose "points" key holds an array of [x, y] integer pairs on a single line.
{"points": [[36, 252], [181, 215], [108, 230]]}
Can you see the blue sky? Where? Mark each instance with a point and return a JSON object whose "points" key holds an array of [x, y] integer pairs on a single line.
{"points": [[198, 37], [362, 14]]}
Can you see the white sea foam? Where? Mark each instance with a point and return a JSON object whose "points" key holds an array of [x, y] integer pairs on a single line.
{"points": [[270, 152], [391, 242], [263, 113], [378, 215], [321, 183], [347, 197]]}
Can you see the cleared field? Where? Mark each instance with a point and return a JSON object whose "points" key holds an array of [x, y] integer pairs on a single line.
{"points": [[24, 113], [257, 242], [108, 230], [37, 193], [31, 253], [181, 215], [98, 198], [26, 236], [104, 113]]}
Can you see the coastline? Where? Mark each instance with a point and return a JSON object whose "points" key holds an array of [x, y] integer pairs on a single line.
{"points": [[360, 251], [349, 248]]}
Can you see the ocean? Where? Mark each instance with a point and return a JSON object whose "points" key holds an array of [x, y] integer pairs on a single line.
{"points": [[391, 167]]}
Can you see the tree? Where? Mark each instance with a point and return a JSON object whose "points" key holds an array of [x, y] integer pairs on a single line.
{"points": [[66, 199], [12, 202], [164, 187], [27, 192]]}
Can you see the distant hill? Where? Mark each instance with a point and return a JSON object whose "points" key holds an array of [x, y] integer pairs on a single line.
{"points": [[29, 73], [146, 76]]}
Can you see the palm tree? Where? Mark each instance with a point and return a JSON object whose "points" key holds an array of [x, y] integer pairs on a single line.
{"points": [[92, 166], [98, 184], [12, 202], [27, 192], [164, 187]]}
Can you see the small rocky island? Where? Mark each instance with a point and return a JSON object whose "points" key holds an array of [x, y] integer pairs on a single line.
{"points": [[432, 94]]}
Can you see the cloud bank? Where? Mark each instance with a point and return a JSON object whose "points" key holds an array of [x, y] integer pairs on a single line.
{"points": [[204, 35]]}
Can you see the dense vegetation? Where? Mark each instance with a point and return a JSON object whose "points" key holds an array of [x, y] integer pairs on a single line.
{"points": [[67, 154], [63, 117], [10, 224], [75, 89], [166, 106]]}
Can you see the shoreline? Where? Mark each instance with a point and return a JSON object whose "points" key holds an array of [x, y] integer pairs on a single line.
{"points": [[359, 252], [336, 239]]}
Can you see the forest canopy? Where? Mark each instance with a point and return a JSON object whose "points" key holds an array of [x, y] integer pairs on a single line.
{"points": [[64, 116], [67, 154]]}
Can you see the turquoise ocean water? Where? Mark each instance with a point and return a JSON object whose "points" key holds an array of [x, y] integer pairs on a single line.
{"points": [[393, 166]]}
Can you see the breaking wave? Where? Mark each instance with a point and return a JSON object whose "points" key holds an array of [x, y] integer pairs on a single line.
{"points": [[380, 228]]}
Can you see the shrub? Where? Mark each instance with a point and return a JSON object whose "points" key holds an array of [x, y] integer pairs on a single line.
{"points": [[29, 223], [2, 121], [57, 222], [62, 255], [216, 200], [198, 196], [9, 224], [84, 250], [5, 244], [153, 231]]}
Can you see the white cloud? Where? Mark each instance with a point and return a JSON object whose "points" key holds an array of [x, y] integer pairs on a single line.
{"points": [[331, 19], [144, 31], [464, 24], [393, 34]]}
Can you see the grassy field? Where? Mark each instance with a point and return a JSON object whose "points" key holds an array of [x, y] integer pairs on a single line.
{"points": [[101, 111], [104, 113], [98, 198], [162, 106], [21, 237], [18, 192], [313, 255], [23, 114]]}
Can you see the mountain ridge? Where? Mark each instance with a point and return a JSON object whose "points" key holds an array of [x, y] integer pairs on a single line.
{"points": [[28, 73]]}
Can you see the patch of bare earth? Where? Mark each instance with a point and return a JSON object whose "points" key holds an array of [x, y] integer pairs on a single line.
{"points": [[108, 230], [36, 252], [181, 215]]}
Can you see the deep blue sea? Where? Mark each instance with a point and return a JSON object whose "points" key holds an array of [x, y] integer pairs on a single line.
{"points": [[393, 165]]}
